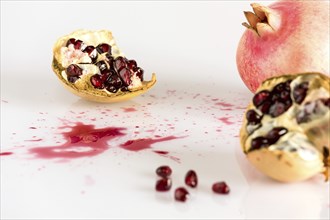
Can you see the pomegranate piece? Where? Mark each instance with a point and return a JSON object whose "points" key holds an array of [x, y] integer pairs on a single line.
{"points": [[163, 185], [191, 179], [181, 194], [97, 82], [221, 188], [103, 48], [164, 171]]}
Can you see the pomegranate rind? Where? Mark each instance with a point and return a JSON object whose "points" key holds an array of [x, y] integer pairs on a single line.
{"points": [[283, 165], [83, 87]]}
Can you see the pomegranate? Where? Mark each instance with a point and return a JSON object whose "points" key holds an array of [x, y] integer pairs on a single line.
{"points": [[90, 65], [286, 37], [285, 132]]}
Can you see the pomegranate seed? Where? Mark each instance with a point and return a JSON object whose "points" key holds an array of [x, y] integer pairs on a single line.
{"points": [[139, 73], [113, 83], [103, 48], [264, 108], [78, 44], [275, 134], [73, 70], [131, 64], [125, 75], [102, 65], [181, 194], [258, 143], [73, 79], [252, 117], [163, 185], [191, 178], [285, 95], [300, 92], [110, 58], [70, 41], [97, 81], [260, 97], [326, 102], [91, 52], [164, 171], [120, 63], [221, 188], [277, 109]]}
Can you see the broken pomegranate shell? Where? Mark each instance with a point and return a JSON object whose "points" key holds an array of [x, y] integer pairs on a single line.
{"points": [[85, 63], [285, 131]]}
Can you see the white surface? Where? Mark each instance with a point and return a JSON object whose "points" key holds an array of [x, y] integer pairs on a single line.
{"points": [[191, 46]]}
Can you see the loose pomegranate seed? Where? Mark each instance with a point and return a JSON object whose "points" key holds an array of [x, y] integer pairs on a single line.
{"points": [[120, 63], [252, 117], [221, 188], [181, 194], [164, 171], [277, 109], [260, 97], [163, 185], [191, 179], [275, 134], [103, 48], [131, 64], [73, 70], [258, 143], [125, 75], [97, 81], [299, 92], [91, 52]]}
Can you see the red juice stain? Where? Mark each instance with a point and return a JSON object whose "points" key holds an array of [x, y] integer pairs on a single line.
{"points": [[35, 140], [224, 104], [81, 141], [226, 121], [6, 153], [32, 128], [129, 109], [144, 143]]}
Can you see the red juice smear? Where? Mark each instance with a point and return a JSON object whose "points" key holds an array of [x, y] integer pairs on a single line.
{"points": [[32, 128], [6, 153], [226, 121], [34, 140], [81, 141], [145, 143], [160, 152]]}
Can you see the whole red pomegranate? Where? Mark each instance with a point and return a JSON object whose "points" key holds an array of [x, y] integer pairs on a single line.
{"points": [[286, 37]]}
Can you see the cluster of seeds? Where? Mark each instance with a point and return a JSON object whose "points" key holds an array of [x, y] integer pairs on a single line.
{"points": [[114, 73], [181, 193], [273, 103]]}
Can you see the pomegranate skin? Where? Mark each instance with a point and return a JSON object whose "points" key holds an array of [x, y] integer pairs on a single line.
{"points": [[297, 40]]}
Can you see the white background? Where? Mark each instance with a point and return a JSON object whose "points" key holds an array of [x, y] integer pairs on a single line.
{"points": [[191, 46]]}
